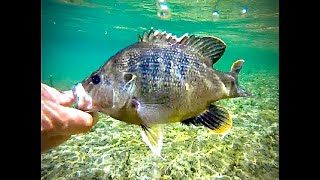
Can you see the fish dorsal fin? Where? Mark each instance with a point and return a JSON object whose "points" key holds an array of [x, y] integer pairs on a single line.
{"points": [[216, 118], [153, 137], [210, 47], [158, 36]]}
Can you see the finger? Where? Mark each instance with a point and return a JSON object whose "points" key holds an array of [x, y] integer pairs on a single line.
{"points": [[51, 121], [48, 142], [67, 98], [95, 117], [48, 93], [64, 120], [46, 124], [75, 121]]}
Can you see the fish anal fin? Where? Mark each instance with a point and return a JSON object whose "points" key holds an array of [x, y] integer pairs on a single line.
{"points": [[153, 137], [192, 120], [216, 118]]}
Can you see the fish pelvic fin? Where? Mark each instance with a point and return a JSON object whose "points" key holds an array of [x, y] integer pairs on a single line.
{"points": [[210, 47], [216, 118], [234, 71], [153, 137]]}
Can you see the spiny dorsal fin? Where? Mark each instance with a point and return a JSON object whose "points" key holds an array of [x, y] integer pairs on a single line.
{"points": [[216, 118], [210, 47], [158, 36]]}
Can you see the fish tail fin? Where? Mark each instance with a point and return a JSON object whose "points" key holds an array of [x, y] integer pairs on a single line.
{"points": [[216, 118], [235, 70]]}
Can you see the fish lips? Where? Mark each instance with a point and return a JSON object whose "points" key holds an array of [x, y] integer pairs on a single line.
{"points": [[83, 99]]}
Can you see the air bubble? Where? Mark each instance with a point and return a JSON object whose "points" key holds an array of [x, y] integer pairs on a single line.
{"points": [[244, 10], [164, 11], [215, 15]]}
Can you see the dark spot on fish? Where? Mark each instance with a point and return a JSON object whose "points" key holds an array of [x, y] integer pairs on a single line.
{"points": [[108, 82], [237, 70], [128, 77], [135, 102], [121, 67]]}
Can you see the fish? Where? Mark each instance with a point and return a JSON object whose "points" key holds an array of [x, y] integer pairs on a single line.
{"points": [[163, 79]]}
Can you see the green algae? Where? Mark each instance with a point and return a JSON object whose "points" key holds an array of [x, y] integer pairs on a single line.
{"points": [[114, 150]]}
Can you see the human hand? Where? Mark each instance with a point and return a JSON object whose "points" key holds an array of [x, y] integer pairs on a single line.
{"points": [[58, 121]]}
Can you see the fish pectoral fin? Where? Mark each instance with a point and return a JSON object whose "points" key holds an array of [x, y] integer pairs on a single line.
{"points": [[150, 112], [216, 118], [153, 137]]}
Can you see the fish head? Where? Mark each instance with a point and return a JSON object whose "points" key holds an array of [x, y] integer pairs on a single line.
{"points": [[95, 92], [106, 90]]}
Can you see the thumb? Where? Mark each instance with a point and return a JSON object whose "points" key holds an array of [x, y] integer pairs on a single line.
{"points": [[49, 93]]}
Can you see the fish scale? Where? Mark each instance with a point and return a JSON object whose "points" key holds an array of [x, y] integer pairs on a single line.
{"points": [[160, 66]]}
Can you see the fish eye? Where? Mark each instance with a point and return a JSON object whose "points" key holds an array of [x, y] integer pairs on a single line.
{"points": [[95, 79]]}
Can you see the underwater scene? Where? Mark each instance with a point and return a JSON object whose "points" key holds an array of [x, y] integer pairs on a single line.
{"points": [[79, 36]]}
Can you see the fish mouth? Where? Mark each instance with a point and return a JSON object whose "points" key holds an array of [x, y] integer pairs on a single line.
{"points": [[83, 99]]}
